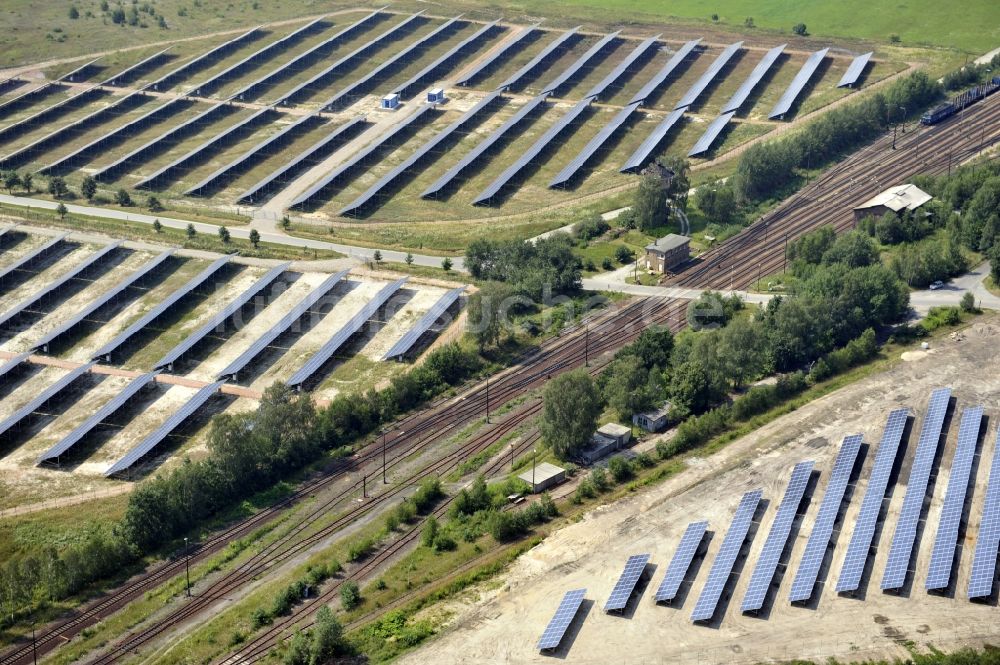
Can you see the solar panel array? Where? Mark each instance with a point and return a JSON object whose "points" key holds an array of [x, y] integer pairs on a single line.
{"points": [[160, 308], [984, 561], [69, 324], [681, 562], [173, 422], [406, 90], [560, 125], [711, 133], [383, 141], [740, 96], [853, 72], [242, 162], [392, 33], [570, 72], [53, 286], [622, 591], [404, 343], [117, 402], [290, 67], [51, 112], [221, 317], [405, 167], [365, 84], [13, 363], [722, 567], [644, 152], [560, 622], [795, 87], [21, 100], [622, 68], [127, 75], [777, 539], [694, 92], [534, 63], [325, 352], [943, 554], [39, 400], [867, 519], [283, 173], [653, 84], [490, 60], [31, 257], [186, 69], [898, 563], [293, 315], [826, 517], [201, 151], [473, 155], [593, 145]]}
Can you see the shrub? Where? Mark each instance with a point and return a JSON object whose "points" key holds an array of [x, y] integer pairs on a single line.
{"points": [[444, 543], [968, 303], [623, 254], [607, 264], [590, 228], [620, 469], [429, 532], [123, 198], [350, 595], [599, 479], [800, 29]]}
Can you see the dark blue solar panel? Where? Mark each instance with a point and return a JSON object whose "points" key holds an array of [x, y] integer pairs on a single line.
{"points": [[694, 92], [571, 71], [943, 555], [711, 133], [878, 481], [563, 617], [722, 567], [857, 66], [777, 539], [31, 256], [620, 595], [799, 82], [681, 562], [984, 562], [826, 517], [406, 90], [423, 325], [622, 68], [554, 46], [740, 96], [659, 77], [644, 152], [489, 61], [898, 563], [593, 146]]}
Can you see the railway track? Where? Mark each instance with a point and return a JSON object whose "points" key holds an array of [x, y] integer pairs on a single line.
{"points": [[759, 250], [409, 435]]}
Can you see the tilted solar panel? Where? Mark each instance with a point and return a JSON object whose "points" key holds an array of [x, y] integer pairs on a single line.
{"points": [[664, 72], [622, 68], [694, 92], [898, 564], [795, 87], [819, 540], [564, 77], [167, 81], [943, 555], [853, 72], [547, 52], [777, 538], [681, 562], [406, 90], [520, 36], [595, 144], [867, 519], [563, 617], [39, 400], [711, 133], [31, 257], [622, 591], [741, 95], [423, 325], [644, 153], [984, 561], [722, 567]]}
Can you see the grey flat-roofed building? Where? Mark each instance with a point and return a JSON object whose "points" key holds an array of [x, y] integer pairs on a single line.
{"points": [[543, 476]]}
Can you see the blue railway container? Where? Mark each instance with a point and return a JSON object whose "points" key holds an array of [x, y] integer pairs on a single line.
{"points": [[959, 102]]}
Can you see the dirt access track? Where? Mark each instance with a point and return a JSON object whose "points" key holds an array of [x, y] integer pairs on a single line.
{"points": [[503, 625]]}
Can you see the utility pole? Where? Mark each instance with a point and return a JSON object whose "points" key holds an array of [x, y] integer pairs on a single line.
{"points": [[384, 481], [187, 566], [785, 264], [487, 400], [732, 275], [512, 457], [758, 276], [34, 649], [586, 346], [364, 486], [534, 453]]}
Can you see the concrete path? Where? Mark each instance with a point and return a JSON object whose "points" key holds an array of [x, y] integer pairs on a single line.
{"points": [[954, 289]]}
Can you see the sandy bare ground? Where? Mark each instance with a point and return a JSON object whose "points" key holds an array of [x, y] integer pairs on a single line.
{"points": [[503, 625], [58, 268], [350, 296], [247, 333], [401, 321]]}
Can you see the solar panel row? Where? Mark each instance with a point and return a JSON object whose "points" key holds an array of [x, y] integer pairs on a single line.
{"points": [[694, 92], [200, 62], [325, 352], [39, 400], [711, 133], [867, 519], [943, 554], [117, 402], [898, 564], [55, 285], [984, 561], [173, 422], [777, 539], [27, 97], [561, 125], [262, 342], [13, 363], [822, 531], [622, 591], [30, 258], [421, 78], [407, 165], [654, 83], [366, 83], [595, 144], [798, 83], [423, 325], [277, 178], [644, 153], [482, 147], [681, 562], [129, 74], [71, 323], [554, 46], [315, 81], [221, 317], [348, 166], [161, 307], [51, 113], [622, 68], [556, 84], [554, 632], [740, 96], [487, 63], [722, 566], [855, 69]]}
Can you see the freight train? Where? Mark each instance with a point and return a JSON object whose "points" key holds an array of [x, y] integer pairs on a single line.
{"points": [[956, 104]]}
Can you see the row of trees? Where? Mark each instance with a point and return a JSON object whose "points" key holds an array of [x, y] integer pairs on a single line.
{"points": [[533, 269]]}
